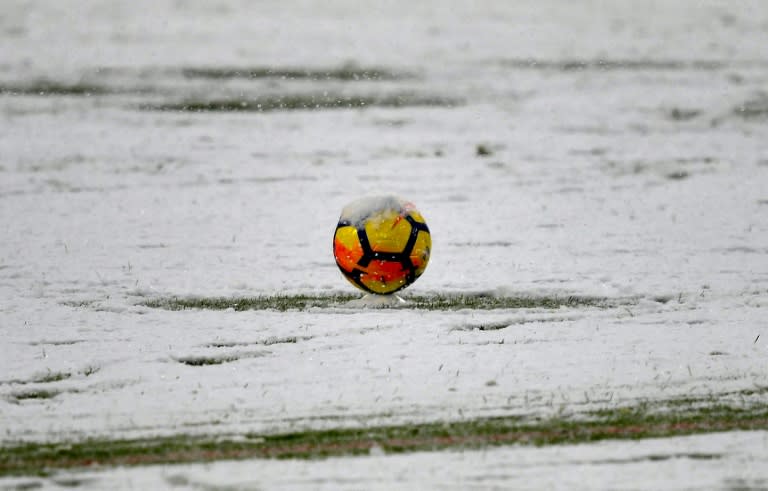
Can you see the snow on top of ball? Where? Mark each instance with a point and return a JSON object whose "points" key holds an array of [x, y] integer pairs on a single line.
{"points": [[357, 212]]}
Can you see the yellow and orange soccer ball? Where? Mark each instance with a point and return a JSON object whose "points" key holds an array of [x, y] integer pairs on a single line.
{"points": [[382, 244]]}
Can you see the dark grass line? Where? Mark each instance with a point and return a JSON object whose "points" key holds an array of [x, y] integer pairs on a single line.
{"points": [[40, 379], [34, 394], [476, 301], [753, 109], [645, 65], [627, 423], [273, 302], [262, 342], [304, 102], [46, 88], [52, 377], [51, 88], [201, 361], [343, 73]]}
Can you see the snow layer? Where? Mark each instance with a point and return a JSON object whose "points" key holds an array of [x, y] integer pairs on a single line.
{"points": [[359, 210], [628, 158]]}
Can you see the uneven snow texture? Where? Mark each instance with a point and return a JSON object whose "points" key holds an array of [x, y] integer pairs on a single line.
{"points": [[624, 154]]}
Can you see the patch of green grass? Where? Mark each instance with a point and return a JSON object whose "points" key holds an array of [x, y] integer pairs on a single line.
{"points": [[201, 361], [483, 301], [90, 370], [644, 65], [49, 87], [753, 109], [486, 326], [264, 342], [35, 394], [678, 114], [78, 303], [483, 150], [51, 377], [297, 102], [344, 73], [644, 420], [275, 302], [476, 301], [40, 379], [753, 392], [27, 486], [218, 359], [712, 399], [677, 175]]}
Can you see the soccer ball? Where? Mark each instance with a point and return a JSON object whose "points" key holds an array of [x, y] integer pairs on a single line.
{"points": [[381, 244]]}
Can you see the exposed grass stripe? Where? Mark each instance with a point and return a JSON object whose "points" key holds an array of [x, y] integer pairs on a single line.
{"points": [[52, 88], [624, 423], [344, 73], [644, 65], [477, 301], [305, 102]]}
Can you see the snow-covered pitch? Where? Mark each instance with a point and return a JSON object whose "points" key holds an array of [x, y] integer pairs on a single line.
{"points": [[161, 149]]}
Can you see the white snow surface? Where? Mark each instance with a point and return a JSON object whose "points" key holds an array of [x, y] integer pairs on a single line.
{"points": [[645, 181]]}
